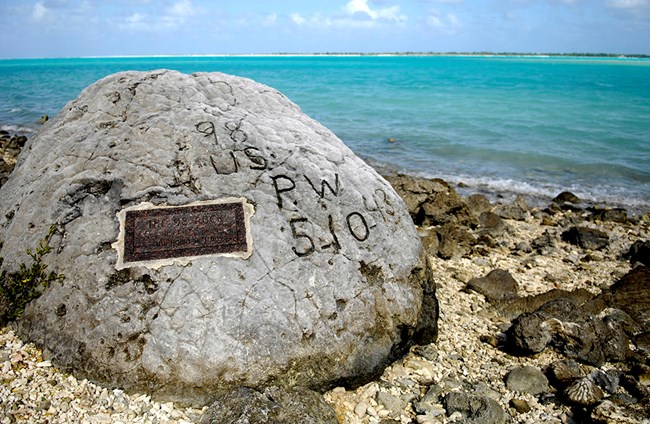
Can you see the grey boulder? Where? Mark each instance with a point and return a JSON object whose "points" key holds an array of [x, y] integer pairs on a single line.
{"points": [[316, 277]]}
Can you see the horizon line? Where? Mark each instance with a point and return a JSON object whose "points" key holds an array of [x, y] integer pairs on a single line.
{"points": [[335, 54]]}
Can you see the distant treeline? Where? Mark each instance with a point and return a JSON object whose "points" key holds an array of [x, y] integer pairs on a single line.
{"points": [[609, 55]]}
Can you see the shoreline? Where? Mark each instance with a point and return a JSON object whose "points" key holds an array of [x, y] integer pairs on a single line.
{"points": [[535, 196]]}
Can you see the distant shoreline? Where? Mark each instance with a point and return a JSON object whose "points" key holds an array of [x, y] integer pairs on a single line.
{"points": [[360, 54]]}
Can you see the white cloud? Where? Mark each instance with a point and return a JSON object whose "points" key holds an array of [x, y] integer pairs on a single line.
{"points": [[298, 19], [174, 17], [39, 11], [447, 23], [356, 14], [182, 8], [629, 4], [270, 19], [391, 13]]}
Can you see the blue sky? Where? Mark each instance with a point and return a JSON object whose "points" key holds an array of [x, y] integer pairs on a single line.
{"points": [[64, 28]]}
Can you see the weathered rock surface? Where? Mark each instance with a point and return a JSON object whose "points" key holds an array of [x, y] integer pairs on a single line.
{"points": [[585, 237], [630, 294], [332, 291], [498, 284], [527, 379], [432, 202], [573, 331], [449, 241], [10, 146], [518, 210], [274, 405], [566, 196], [474, 409], [478, 203], [639, 252]]}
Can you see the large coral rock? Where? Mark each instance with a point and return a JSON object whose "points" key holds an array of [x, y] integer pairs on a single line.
{"points": [[323, 285]]}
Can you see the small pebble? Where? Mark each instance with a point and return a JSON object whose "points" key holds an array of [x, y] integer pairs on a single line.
{"points": [[520, 405], [360, 409]]}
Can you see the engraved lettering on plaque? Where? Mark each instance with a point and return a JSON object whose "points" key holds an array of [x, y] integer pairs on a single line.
{"points": [[159, 235]]}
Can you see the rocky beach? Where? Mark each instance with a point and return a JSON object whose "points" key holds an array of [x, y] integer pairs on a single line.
{"points": [[543, 318]]}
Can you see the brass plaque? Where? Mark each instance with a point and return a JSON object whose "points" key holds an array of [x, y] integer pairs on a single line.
{"points": [[176, 232]]}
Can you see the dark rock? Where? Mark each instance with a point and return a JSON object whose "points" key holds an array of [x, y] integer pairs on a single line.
{"points": [[570, 330], [609, 214], [517, 210], [562, 373], [566, 196], [512, 308], [21, 140], [520, 405], [630, 294], [498, 284], [491, 224], [274, 405], [5, 171], [606, 380], [639, 252], [642, 342], [527, 379], [429, 351], [429, 400], [478, 204], [635, 388], [475, 409], [449, 241], [523, 248], [586, 238], [545, 243], [432, 202], [642, 373]]}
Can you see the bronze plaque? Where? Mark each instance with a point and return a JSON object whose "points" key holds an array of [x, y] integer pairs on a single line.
{"points": [[176, 232]]}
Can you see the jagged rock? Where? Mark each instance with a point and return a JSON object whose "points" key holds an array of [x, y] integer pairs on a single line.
{"points": [[478, 204], [630, 294], [449, 241], [432, 202], [5, 171], [527, 379], [517, 210], [259, 249], [274, 405], [491, 224], [639, 252], [545, 243], [564, 372], [474, 409], [606, 380], [512, 308], [610, 214], [586, 238], [568, 328], [497, 285]]}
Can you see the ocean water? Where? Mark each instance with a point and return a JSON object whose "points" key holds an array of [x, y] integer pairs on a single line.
{"points": [[512, 125]]}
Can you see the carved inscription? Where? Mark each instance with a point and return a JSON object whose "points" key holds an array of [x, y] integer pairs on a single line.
{"points": [[235, 155], [162, 233]]}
